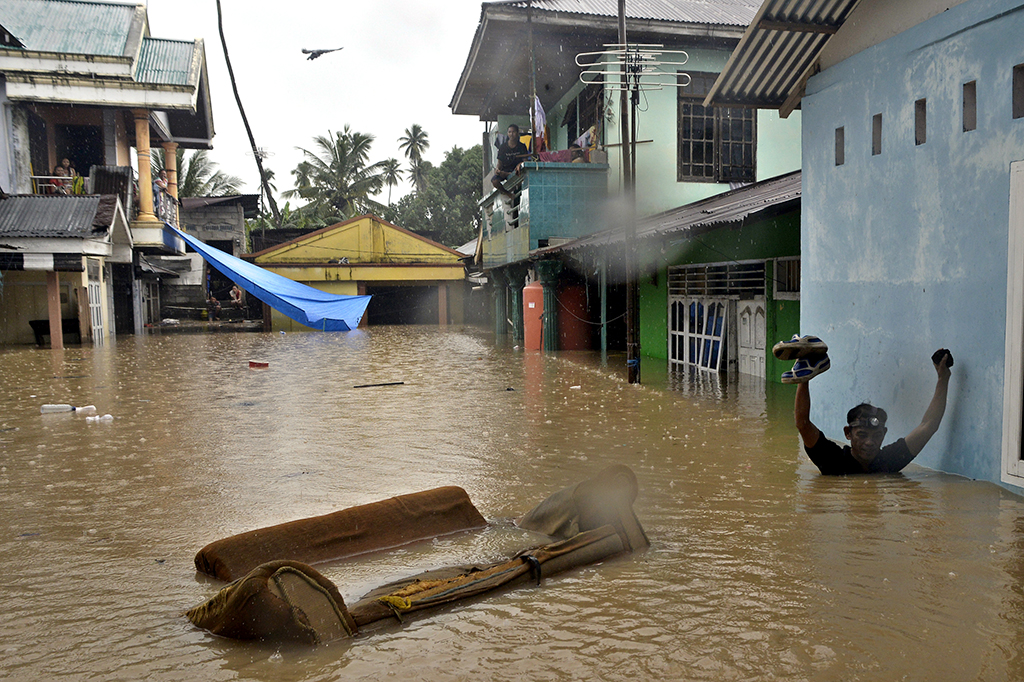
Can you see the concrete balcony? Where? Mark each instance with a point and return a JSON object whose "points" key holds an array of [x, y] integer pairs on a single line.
{"points": [[554, 203], [153, 236]]}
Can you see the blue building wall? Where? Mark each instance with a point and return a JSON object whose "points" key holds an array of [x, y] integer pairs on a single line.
{"points": [[905, 251]]}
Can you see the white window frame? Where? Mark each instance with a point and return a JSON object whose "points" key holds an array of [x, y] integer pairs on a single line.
{"points": [[784, 295], [1013, 362]]}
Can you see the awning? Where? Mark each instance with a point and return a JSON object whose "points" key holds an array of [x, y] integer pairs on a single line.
{"points": [[304, 304], [778, 53]]}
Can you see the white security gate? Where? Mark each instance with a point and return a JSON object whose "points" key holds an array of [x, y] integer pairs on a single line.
{"points": [[697, 332]]}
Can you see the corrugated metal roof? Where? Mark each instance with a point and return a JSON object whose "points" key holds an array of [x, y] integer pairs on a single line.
{"points": [[776, 54], [735, 206], [69, 26], [49, 216], [723, 12], [165, 61]]}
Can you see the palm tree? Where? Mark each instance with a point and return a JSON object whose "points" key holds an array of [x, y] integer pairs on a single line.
{"points": [[391, 174], [197, 174], [337, 182], [414, 143], [419, 173]]}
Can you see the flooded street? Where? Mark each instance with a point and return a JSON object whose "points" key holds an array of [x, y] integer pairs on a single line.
{"points": [[759, 568]]}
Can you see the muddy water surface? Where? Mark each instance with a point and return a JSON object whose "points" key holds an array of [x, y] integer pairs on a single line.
{"points": [[759, 568]]}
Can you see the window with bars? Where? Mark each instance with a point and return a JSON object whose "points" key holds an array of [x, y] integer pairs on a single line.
{"points": [[714, 144], [744, 280], [787, 279]]}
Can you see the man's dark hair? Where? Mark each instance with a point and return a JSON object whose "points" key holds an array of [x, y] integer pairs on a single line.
{"points": [[513, 125], [866, 411]]}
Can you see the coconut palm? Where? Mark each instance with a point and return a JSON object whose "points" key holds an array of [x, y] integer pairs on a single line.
{"points": [[197, 174], [336, 180], [391, 175], [414, 143]]}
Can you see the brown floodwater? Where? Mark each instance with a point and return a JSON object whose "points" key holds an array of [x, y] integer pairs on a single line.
{"points": [[759, 568]]}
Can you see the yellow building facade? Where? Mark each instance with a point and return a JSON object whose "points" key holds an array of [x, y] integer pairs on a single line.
{"points": [[412, 279]]}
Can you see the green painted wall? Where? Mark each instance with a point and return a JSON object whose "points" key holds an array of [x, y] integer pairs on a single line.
{"points": [[775, 238]]}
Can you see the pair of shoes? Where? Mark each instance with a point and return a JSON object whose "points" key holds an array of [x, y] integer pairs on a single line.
{"points": [[799, 347], [806, 369]]}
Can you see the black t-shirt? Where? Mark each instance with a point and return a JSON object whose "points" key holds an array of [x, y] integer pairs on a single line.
{"points": [[510, 157], [835, 460]]}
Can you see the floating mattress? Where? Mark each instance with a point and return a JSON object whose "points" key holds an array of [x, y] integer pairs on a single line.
{"points": [[357, 530]]}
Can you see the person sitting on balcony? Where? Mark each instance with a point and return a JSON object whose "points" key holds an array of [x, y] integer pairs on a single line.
{"points": [[510, 158], [62, 185]]}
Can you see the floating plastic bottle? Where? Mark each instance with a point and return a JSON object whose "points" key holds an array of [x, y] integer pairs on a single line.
{"points": [[46, 409], [97, 419]]}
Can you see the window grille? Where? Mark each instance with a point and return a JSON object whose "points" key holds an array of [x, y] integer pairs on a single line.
{"points": [[728, 279], [714, 144]]}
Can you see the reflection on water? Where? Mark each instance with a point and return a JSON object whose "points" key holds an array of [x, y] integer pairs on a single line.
{"points": [[758, 569]]}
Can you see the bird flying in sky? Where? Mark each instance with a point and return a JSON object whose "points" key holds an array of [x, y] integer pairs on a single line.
{"points": [[313, 54]]}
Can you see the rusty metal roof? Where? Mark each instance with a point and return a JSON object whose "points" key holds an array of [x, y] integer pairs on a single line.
{"points": [[778, 53], [70, 26], [724, 12], [496, 77], [165, 61], [757, 201], [55, 216]]}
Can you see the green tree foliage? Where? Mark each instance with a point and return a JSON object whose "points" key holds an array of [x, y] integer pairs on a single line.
{"points": [[392, 175], [414, 143], [197, 174], [336, 181], [446, 210]]}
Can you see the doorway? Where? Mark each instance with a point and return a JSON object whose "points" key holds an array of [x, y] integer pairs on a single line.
{"points": [[1013, 362]]}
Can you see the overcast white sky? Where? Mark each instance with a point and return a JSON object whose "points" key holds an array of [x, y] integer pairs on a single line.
{"points": [[400, 64]]}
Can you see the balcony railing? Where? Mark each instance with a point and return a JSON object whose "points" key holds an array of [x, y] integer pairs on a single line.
{"points": [[552, 203], [165, 207], [59, 184]]}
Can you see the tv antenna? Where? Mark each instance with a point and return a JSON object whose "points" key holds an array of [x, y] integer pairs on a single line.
{"points": [[633, 67]]}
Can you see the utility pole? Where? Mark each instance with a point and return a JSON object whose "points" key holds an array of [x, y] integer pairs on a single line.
{"points": [[629, 190]]}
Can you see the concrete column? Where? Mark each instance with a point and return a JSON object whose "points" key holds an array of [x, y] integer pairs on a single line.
{"points": [[53, 305], [516, 277], [84, 313], [442, 305], [171, 166], [145, 167], [548, 272], [500, 309]]}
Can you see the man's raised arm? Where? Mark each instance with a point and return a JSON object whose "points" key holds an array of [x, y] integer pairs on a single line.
{"points": [[920, 436], [802, 416]]}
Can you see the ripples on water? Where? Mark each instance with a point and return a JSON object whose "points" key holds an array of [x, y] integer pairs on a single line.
{"points": [[759, 568]]}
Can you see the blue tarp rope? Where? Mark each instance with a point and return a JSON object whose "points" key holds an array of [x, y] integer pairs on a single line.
{"points": [[304, 304]]}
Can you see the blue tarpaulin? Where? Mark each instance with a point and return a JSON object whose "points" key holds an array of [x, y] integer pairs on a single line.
{"points": [[304, 304]]}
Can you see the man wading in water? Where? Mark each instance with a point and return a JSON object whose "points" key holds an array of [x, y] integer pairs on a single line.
{"points": [[865, 423]]}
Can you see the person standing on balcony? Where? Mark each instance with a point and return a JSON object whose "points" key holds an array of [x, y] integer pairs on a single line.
{"points": [[510, 157], [159, 189]]}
